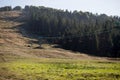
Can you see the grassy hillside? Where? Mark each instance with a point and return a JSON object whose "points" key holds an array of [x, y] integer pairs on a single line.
{"points": [[21, 57]]}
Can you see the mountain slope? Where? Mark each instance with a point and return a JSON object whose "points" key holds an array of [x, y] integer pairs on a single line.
{"points": [[15, 43]]}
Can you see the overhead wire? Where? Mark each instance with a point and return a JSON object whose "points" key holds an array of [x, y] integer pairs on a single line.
{"points": [[75, 36]]}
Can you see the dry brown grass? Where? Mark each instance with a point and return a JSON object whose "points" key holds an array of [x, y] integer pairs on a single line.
{"points": [[13, 42]]}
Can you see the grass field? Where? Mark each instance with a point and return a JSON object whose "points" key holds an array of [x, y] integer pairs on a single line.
{"points": [[59, 69], [20, 61]]}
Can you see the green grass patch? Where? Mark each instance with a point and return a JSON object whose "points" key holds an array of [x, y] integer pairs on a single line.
{"points": [[59, 69]]}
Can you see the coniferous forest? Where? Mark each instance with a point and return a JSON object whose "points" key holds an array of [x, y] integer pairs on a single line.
{"points": [[79, 31]]}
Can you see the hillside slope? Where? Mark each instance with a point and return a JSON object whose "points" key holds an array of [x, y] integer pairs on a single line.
{"points": [[14, 41]]}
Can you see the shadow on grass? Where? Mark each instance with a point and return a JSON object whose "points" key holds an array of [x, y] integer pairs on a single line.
{"points": [[26, 32]]}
